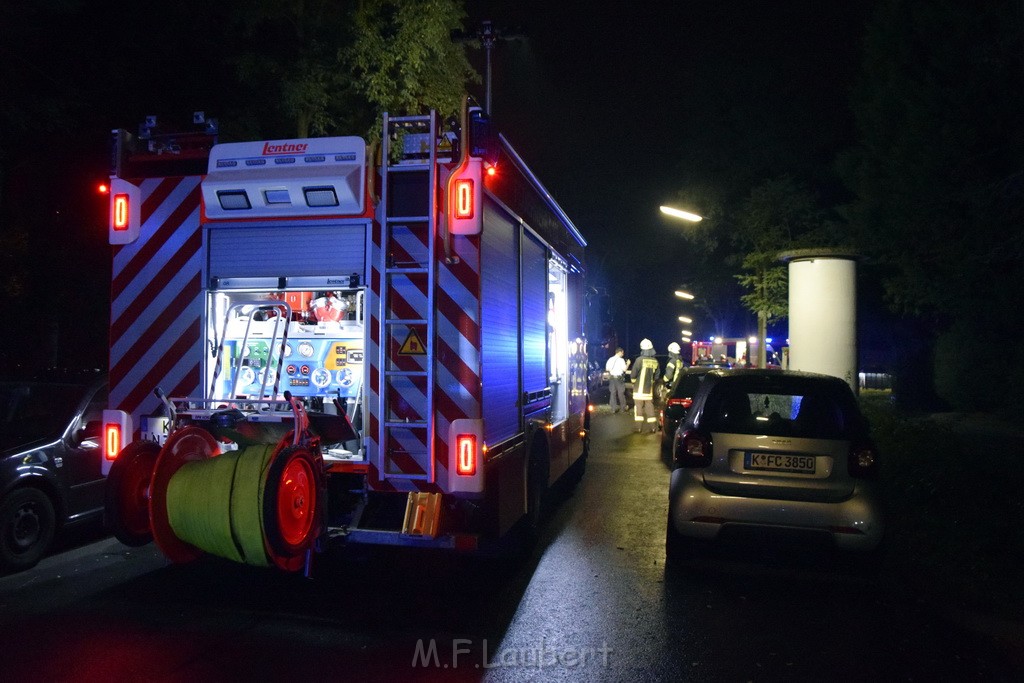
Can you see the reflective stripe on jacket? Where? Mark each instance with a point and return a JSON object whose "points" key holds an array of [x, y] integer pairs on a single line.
{"points": [[645, 375]]}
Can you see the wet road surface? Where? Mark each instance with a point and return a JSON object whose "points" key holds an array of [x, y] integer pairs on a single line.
{"points": [[592, 602]]}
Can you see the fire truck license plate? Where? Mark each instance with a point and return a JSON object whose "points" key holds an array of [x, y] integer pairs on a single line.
{"points": [[779, 462]]}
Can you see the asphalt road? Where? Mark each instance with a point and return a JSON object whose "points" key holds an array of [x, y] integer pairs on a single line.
{"points": [[592, 602]]}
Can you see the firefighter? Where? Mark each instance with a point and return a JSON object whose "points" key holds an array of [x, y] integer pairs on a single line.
{"points": [[645, 378], [672, 368]]}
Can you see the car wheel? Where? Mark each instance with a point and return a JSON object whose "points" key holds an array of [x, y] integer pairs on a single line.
{"points": [[679, 549], [27, 526], [674, 545], [666, 441]]}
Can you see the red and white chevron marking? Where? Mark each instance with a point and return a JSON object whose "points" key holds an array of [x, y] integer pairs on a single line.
{"points": [[457, 360], [156, 300], [457, 369]]}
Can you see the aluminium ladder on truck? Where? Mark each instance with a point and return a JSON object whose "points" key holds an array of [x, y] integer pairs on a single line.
{"points": [[409, 182]]}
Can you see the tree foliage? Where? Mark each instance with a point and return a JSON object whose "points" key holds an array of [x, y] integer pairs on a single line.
{"points": [[403, 58], [937, 171], [335, 67], [779, 214], [939, 181]]}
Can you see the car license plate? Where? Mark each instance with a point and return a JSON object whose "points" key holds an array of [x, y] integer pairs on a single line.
{"points": [[779, 462]]}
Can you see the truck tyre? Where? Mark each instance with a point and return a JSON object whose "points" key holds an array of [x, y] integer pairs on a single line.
{"points": [[536, 486], [27, 527], [126, 508]]}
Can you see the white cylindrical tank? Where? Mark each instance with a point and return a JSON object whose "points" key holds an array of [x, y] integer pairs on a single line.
{"points": [[823, 312]]}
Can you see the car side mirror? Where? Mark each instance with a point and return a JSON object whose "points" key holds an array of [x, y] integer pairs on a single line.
{"points": [[89, 435]]}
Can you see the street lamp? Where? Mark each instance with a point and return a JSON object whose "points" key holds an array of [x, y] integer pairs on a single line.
{"points": [[679, 213], [686, 333], [683, 295], [684, 319], [488, 34]]}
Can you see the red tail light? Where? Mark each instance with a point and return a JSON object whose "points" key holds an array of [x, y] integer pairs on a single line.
{"points": [[120, 212], [692, 449], [463, 208], [465, 454], [111, 441], [684, 402], [863, 460]]}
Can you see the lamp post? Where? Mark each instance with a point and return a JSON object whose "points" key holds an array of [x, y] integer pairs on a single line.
{"points": [[488, 35]]}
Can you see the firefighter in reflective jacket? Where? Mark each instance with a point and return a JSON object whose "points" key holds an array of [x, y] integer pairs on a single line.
{"points": [[644, 374], [672, 368]]}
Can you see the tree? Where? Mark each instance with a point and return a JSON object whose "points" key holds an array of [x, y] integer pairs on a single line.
{"points": [[937, 171], [334, 67], [403, 58], [779, 214]]}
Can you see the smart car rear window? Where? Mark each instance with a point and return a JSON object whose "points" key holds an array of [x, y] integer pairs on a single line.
{"points": [[806, 412]]}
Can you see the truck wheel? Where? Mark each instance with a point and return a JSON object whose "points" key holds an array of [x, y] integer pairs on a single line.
{"points": [[27, 526], [536, 487], [126, 510]]}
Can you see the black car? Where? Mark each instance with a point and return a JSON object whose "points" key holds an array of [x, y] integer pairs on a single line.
{"points": [[50, 463], [679, 399]]}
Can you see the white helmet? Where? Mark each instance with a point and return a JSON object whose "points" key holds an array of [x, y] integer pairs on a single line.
{"points": [[646, 344], [673, 348]]}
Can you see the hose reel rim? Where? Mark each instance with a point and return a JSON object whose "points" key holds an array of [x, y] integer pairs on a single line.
{"points": [[187, 444], [127, 493]]}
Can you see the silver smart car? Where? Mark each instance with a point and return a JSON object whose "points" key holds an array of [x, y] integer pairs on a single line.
{"points": [[773, 452]]}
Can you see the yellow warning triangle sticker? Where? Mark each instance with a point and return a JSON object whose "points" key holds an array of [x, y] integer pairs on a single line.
{"points": [[413, 345]]}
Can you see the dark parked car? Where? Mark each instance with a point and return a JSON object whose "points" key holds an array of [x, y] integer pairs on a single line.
{"points": [[679, 400], [773, 453], [50, 464]]}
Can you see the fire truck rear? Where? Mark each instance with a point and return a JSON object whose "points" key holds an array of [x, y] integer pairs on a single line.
{"points": [[309, 348]]}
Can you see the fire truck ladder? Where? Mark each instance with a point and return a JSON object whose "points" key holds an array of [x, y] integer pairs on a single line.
{"points": [[408, 241]]}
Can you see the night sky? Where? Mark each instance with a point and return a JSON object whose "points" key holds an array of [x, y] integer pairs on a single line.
{"points": [[617, 111]]}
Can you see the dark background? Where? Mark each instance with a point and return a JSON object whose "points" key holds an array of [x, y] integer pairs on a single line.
{"points": [[617, 110]]}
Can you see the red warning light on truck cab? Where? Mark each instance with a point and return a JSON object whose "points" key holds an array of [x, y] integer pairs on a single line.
{"points": [[465, 453], [120, 209]]}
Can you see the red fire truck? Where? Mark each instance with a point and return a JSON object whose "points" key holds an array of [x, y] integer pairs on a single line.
{"points": [[311, 346]]}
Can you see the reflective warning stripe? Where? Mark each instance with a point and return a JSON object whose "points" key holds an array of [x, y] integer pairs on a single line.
{"points": [[156, 300], [457, 370]]}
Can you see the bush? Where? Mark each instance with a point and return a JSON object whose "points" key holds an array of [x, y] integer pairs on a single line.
{"points": [[951, 504]]}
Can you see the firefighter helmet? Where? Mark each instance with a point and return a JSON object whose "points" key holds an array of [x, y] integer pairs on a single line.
{"points": [[673, 348], [646, 344]]}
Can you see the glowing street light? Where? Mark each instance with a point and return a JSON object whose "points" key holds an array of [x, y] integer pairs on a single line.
{"points": [[684, 319], [679, 213], [686, 333], [683, 295]]}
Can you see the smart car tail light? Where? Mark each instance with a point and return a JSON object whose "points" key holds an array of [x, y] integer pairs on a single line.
{"points": [[862, 462], [692, 449], [684, 402]]}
